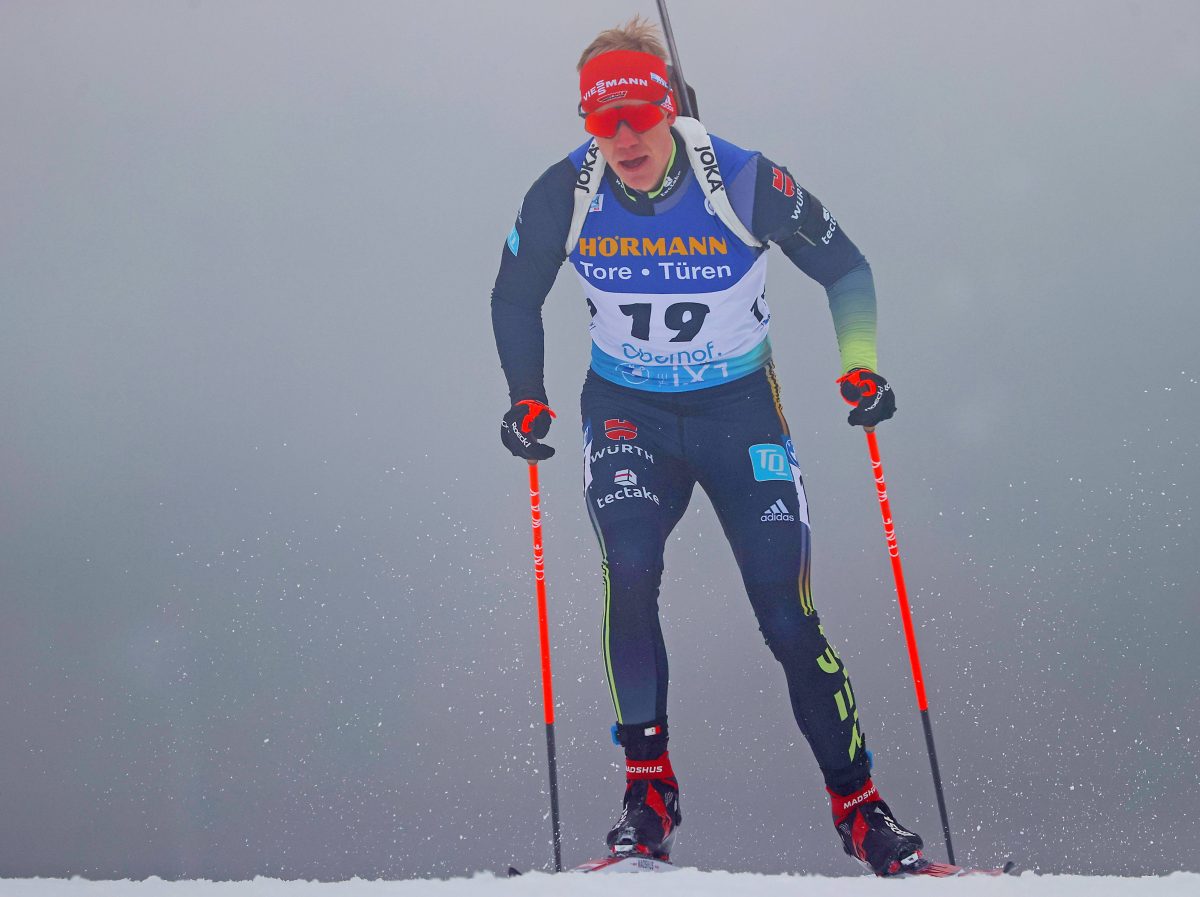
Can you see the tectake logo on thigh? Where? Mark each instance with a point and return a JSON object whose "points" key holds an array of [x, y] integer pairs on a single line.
{"points": [[629, 489]]}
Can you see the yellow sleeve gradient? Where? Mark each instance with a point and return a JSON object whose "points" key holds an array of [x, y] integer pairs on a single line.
{"points": [[852, 304]]}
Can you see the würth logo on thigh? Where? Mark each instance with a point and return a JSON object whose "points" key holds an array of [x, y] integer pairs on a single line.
{"points": [[619, 429]]}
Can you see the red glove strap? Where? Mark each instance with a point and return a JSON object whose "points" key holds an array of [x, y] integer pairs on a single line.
{"points": [[535, 408], [855, 379]]}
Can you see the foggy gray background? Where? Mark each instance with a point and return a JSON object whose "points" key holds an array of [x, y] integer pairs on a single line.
{"points": [[265, 568]]}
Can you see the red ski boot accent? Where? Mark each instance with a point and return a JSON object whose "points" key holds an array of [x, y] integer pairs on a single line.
{"points": [[871, 834], [843, 805], [659, 768], [654, 800]]}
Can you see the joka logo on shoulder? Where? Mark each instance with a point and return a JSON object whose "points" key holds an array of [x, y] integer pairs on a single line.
{"points": [[770, 462], [619, 429]]}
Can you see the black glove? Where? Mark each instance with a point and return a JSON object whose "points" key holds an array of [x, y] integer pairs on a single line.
{"points": [[869, 393], [527, 421]]}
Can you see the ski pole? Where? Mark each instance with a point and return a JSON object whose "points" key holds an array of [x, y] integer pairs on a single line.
{"points": [[681, 88], [539, 576], [910, 635]]}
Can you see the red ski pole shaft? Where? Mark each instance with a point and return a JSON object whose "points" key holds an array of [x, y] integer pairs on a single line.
{"points": [[910, 634], [889, 534], [539, 576]]}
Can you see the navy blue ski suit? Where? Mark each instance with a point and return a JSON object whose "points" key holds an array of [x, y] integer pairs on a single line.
{"points": [[681, 391]]}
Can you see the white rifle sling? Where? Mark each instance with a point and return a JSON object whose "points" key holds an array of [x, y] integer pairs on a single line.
{"points": [[707, 174], [587, 185]]}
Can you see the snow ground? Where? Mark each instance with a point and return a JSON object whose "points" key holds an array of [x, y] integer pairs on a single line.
{"points": [[683, 883]]}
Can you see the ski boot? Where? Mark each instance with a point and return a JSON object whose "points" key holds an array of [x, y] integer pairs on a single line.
{"points": [[871, 834], [650, 810]]}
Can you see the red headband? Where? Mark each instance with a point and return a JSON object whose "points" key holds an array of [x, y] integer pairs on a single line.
{"points": [[624, 75]]}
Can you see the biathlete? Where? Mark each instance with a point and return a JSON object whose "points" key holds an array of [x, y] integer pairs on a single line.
{"points": [[667, 228]]}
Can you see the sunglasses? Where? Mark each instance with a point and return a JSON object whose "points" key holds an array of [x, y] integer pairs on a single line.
{"points": [[641, 117]]}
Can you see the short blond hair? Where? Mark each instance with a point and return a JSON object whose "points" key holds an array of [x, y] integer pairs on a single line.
{"points": [[636, 34]]}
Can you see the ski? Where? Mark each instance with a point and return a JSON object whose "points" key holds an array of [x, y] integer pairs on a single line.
{"points": [[636, 863], [615, 863], [625, 863], [950, 870]]}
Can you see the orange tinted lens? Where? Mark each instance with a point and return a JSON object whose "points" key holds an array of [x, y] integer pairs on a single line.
{"points": [[604, 122]]}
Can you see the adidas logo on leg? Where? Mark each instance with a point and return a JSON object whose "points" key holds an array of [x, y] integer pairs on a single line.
{"points": [[777, 512]]}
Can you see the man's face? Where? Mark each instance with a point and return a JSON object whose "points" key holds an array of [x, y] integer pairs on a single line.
{"points": [[640, 160]]}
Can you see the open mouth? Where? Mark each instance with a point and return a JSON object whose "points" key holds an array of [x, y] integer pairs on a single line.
{"points": [[633, 165]]}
